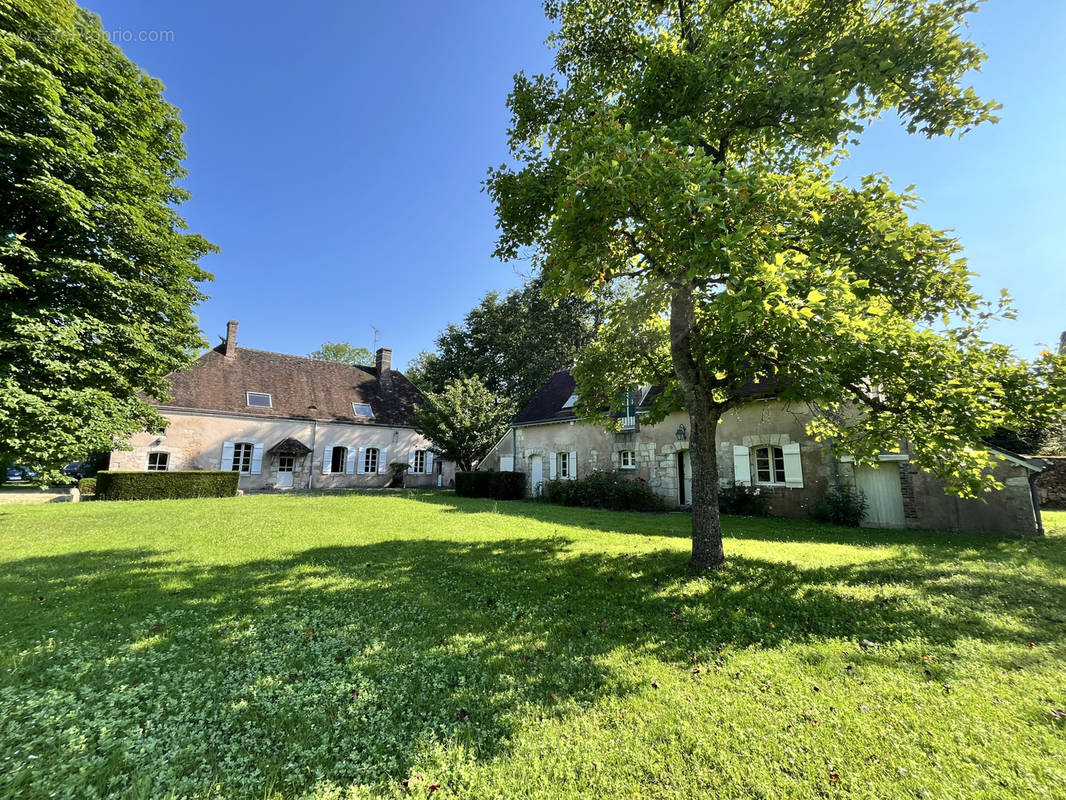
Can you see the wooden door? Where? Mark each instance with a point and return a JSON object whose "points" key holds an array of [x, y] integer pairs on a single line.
{"points": [[884, 497]]}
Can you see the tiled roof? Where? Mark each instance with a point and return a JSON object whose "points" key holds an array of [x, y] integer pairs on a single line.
{"points": [[547, 404], [304, 388]]}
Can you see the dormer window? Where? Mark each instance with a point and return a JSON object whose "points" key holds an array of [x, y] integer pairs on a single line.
{"points": [[570, 401], [363, 410], [259, 400]]}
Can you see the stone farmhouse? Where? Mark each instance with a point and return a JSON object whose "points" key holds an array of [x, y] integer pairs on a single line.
{"points": [[289, 422], [762, 444]]}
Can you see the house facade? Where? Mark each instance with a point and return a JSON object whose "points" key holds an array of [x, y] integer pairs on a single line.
{"points": [[287, 422], [762, 444]]}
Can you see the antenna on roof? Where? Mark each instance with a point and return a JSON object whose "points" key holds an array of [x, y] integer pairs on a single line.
{"points": [[376, 332]]}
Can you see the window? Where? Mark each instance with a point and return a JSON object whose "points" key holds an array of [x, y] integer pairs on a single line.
{"points": [[769, 465], [242, 457], [259, 400], [627, 459], [420, 461], [339, 459], [363, 410], [571, 401], [157, 462], [564, 465], [370, 460]]}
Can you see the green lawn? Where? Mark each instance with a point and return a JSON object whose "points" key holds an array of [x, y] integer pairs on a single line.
{"points": [[357, 646]]}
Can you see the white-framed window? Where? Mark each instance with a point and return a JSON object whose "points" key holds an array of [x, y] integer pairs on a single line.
{"points": [[259, 400], [627, 459], [242, 457], [370, 460], [769, 465], [419, 462], [158, 462], [571, 401], [564, 465], [339, 459], [363, 410]]}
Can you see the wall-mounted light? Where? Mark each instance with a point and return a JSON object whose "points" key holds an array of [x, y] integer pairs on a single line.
{"points": [[682, 434]]}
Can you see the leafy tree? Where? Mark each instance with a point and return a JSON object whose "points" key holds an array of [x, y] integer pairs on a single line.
{"points": [[684, 154], [97, 274], [344, 352], [513, 342], [464, 420]]}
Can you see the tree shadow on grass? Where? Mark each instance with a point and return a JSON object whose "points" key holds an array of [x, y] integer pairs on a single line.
{"points": [[133, 671]]}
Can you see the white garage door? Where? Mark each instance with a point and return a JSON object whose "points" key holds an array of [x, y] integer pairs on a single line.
{"points": [[883, 496]]}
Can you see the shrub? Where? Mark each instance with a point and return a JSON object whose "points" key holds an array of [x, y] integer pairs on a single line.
{"points": [[87, 486], [742, 500], [604, 490], [496, 485], [842, 506], [165, 485]]}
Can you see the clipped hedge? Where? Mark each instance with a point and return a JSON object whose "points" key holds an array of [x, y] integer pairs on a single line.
{"points": [[87, 486], [496, 485], [165, 485], [604, 490]]}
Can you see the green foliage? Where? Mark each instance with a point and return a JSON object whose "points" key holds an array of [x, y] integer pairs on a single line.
{"points": [[495, 485], [514, 343], [610, 490], [87, 486], [743, 500], [1053, 439], [97, 274], [176, 485], [842, 505], [495, 649], [683, 157], [464, 420], [344, 352]]}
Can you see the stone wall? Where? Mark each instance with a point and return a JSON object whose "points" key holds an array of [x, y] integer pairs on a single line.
{"points": [[1051, 485]]}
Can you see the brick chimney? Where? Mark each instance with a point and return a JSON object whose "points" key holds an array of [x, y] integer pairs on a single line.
{"points": [[383, 363], [229, 349]]}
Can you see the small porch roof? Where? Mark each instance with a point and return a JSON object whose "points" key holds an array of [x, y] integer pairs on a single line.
{"points": [[290, 447]]}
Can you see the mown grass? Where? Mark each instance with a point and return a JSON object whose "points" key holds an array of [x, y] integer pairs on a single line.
{"points": [[354, 645]]}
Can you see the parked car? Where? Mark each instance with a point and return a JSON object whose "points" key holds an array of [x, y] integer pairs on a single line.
{"points": [[75, 469], [17, 473]]}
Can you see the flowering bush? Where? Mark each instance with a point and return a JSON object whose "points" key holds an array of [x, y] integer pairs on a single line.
{"points": [[742, 500], [604, 490]]}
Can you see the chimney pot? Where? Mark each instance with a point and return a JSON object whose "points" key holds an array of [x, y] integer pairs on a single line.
{"points": [[230, 350], [383, 362]]}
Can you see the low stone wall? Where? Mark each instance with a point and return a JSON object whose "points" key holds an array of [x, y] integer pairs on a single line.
{"points": [[1051, 484]]}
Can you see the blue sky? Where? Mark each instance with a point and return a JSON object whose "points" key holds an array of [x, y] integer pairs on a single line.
{"points": [[336, 151]]}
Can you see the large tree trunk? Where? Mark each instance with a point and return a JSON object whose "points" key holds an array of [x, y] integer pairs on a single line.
{"points": [[707, 549], [690, 366]]}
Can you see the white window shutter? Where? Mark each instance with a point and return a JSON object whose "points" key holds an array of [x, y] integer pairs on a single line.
{"points": [[257, 458], [327, 459], [383, 460], [349, 467], [506, 463], [360, 464], [429, 463], [572, 465], [226, 464], [793, 465], [741, 465], [553, 465], [411, 459]]}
